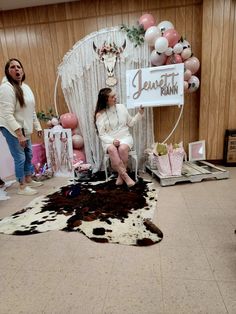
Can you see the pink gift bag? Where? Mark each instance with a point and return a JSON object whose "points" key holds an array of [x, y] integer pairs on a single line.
{"points": [[176, 156], [163, 165], [176, 162], [39, 154]]}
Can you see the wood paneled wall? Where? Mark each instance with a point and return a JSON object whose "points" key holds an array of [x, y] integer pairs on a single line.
{"points": [[218, 75], [41, 36]]}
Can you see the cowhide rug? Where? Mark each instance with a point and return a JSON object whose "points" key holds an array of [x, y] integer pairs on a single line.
{"points": [[100, 210]]}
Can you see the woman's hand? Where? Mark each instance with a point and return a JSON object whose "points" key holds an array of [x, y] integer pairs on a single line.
{"points": [[116, 143], [40, 133], [141, 110], [22, 140]]}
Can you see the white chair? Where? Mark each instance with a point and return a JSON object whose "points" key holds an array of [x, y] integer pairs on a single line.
{"points": [[132, 154]]}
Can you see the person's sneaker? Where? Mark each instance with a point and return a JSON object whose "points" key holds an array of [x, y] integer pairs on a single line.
{"points": [[34, 184], [2, 183], [26, 191]]}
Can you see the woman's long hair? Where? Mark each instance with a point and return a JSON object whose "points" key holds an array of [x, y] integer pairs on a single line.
{"points": [[15, 84], [101, 102]]}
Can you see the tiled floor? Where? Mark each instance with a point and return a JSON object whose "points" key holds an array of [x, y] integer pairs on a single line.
{"points": [[193, 269]]}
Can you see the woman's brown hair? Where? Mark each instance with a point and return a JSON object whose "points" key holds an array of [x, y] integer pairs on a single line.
{"points": [[101, 102], [15, 84]]}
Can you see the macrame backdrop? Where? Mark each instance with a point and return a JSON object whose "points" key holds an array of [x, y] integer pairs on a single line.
{"points": [[83, 75]]}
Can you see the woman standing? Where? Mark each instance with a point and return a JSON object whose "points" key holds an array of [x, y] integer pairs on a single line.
{"points": [[17, 118], [112, 122]]}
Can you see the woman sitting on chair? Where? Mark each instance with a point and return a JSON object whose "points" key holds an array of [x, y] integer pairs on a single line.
{"points": [[112, 122]]}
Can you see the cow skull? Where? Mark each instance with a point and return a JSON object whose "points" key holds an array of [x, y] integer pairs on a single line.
{"points": [[108, 54]]}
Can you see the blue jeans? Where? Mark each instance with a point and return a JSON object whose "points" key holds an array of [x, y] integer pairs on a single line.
{"points": [[22, 156]]}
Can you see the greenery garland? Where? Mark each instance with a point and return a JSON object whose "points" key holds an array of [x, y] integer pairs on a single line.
{"points": [[46, 116], [135, 34]]}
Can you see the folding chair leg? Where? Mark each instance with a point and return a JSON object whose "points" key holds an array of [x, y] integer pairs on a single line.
{"points": [[105, 166], [136, 168]]}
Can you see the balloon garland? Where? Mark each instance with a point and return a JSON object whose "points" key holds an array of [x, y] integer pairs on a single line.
{"points": [[171, 48], [168, 47]]}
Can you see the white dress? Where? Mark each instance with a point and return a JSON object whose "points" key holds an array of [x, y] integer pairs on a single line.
{"points": [[114, 123]]}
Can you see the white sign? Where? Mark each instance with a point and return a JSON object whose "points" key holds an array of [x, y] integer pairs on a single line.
{"points": [[59, 151], [155, 86]]}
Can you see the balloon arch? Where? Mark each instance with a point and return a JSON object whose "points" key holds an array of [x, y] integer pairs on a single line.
{"points": [[165, 46]]}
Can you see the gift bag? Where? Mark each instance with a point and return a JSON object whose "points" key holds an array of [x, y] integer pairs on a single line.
{"points": [[162, 159], [152, 161], [39, 155], [169, 159], [176, 157], [163, 165]]}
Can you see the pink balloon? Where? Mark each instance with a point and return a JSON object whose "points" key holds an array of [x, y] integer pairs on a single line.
{"points": [[76, 131], [173, 59], [146, 20], [77, 141], [157, 58], [172, 36], [69, 121], [185, 85], [187, 74], [192, 64], [186, 53], [78, 155]]}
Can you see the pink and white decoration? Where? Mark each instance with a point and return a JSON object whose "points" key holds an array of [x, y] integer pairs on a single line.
{"points": [[81, 82], [170, 48]]}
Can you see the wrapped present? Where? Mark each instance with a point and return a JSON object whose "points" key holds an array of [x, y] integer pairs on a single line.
{"points": [[169, 159]]}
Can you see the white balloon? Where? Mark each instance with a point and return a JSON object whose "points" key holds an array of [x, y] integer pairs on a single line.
{"points": [[178, 48], [57, 128], [54, 121], [77, 141], [164, 25], [169, 51], [161, 44], [193, 84], [185, 44], [151, 35]]}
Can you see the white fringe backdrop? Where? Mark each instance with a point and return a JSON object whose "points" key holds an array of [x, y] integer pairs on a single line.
{"points": [[83, 75]]}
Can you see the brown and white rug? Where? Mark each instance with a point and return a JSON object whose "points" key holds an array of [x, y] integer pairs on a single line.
{"points": [[100, 210]]}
